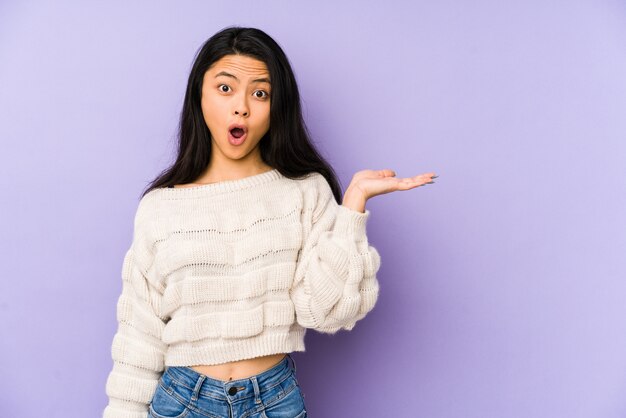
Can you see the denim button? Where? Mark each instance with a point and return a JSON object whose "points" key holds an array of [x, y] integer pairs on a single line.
{"points": [[232, 390]]}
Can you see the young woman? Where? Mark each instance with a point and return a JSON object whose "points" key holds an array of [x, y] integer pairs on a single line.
{"points": [[239, 247]]}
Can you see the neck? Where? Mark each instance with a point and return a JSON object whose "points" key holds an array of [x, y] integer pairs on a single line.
{"points": [[229, 171]]}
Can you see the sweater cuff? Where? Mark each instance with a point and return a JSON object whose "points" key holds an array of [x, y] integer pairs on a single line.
{"points": [[351, 222], [118, 408]]}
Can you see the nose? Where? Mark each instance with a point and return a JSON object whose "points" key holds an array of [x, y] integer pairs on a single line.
{"points": [[241, 107]]}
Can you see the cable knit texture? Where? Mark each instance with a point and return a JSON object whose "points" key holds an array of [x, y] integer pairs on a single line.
{"points": [[234, 270]]}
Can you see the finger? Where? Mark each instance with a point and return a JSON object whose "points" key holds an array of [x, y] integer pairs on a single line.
{"points": [[387, 172], [420, 178], [417, 181], [407, 185], [425, 175], [431, 177]]}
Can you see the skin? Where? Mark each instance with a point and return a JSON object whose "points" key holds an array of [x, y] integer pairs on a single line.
{"points": [[366, 184], [227, 100]]}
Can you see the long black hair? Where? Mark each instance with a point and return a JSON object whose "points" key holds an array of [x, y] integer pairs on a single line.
{"points": [[286, 146]]}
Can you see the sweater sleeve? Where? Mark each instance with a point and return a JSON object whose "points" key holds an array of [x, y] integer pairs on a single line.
{"points": [[335, 282], [137, 349]]}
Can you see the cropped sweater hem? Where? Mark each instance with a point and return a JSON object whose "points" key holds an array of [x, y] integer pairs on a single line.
{"points": [[226, 351]]}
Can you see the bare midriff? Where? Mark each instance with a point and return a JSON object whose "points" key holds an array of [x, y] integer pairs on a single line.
{"points": [[241, 369]]}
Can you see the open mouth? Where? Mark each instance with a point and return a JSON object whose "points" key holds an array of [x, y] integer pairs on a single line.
{"points": [[237, 132]]}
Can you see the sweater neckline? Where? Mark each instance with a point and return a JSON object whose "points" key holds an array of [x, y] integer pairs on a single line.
{"points": [[224, 185]]}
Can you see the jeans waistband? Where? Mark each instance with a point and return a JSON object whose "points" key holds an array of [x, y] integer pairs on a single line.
{"points": [[214, 387]]}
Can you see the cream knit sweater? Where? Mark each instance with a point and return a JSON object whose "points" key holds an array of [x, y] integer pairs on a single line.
{"points": [[234, 270]]}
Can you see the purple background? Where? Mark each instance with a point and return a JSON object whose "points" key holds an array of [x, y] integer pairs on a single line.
{"points": [[502, 284]]}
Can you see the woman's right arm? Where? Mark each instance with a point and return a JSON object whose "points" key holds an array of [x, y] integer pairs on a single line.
{"points": [[137, 350]]}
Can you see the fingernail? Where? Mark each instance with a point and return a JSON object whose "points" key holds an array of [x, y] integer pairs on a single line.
{"points": [[429, 182], [434, 177]]}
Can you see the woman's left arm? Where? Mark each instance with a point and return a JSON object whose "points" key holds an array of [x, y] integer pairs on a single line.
{"points": [[335, 283]]}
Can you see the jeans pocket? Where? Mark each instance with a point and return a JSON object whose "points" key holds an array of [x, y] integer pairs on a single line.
{"points": [[288, 404], [165, 404]]}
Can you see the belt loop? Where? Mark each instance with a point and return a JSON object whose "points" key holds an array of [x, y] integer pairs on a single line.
{"points": [[292, 362], [257, 392], [196, 390]]}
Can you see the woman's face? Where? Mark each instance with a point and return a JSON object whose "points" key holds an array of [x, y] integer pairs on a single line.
{"points": [[236, 91]]}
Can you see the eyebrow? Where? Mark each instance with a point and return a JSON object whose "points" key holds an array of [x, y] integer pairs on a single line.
{"points": [[256, 80]]}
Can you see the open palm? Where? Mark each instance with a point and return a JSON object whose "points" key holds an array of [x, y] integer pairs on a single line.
{"points": [[375, 182]]}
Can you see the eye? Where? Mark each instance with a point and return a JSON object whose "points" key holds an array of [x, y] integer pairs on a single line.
{"points": [[266, 94], [220, 87]]}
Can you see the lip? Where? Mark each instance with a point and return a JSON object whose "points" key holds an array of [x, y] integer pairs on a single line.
{"points": [[238, 125], [237, 141]]}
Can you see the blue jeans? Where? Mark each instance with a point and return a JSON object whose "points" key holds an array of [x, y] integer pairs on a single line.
{"points": [[183, 392]]}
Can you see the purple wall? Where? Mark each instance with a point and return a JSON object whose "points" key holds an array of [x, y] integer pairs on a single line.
{"points": [[502, 285]]}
